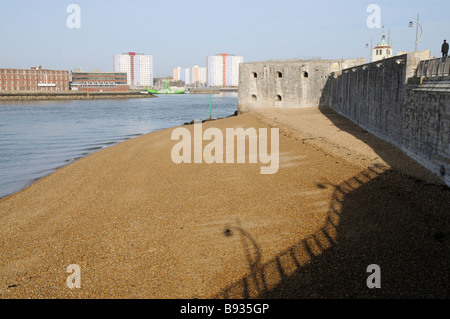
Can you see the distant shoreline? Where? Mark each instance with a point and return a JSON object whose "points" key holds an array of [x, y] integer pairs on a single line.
{"points": [[69, 95], [210, 90]]}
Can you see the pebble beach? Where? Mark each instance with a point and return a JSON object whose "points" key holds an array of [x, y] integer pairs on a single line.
{"points": [[140, 226]]}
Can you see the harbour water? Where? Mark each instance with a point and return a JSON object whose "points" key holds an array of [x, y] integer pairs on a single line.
{"points": [[37, 137]]}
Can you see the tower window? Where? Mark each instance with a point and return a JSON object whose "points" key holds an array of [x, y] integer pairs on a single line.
{"points": [[254, 98], [255, 75], [305, 74], [278, 98], [279, 75]]}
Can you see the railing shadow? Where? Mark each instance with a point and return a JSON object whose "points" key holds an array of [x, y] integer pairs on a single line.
{"points": [[395, 215], [376, 217], [264, 277]]}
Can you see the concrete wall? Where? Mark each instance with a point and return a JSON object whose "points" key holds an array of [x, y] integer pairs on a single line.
{"points": [[387, 100], [286, 83]]}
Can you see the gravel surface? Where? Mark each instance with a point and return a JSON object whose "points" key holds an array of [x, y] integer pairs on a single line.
{"points": [[140, 226]]}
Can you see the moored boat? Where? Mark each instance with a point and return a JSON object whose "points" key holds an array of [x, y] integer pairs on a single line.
{"points": [[167, 90]]}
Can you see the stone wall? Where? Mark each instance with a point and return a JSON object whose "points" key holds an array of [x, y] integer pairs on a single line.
{"points": [[383, 97], [286, 83], [386, 99], [426, 125]]}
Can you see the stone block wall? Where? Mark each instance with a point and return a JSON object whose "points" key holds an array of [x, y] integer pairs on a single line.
{"points": [[387, 100], [286, 83]]}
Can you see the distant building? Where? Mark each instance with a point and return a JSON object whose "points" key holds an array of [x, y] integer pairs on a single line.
{"points": [[34, 79], [195, 76], [138, 66], [185, 76], [161, 82], [198, 76], [223, 69], [176, 74], [382, 51], [182, 74], [99, 81]]}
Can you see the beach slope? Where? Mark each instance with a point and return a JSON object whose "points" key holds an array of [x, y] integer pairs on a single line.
{"points": [[140, 226]]}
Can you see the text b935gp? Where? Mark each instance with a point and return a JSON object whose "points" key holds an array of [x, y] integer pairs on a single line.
{"points": [[225, 309], [243, 308]]}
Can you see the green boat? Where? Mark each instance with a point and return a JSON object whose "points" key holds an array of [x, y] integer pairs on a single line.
{"points": [[166, 90]]}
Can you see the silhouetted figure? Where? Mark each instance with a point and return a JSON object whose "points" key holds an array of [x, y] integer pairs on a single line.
{"points": [[444, 49]]}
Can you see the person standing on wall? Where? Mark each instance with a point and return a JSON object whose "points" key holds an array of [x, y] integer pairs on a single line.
{"points": [[444, 49]]}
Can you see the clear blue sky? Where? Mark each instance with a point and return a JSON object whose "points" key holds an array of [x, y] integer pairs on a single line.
{"points": [[183, 32]]}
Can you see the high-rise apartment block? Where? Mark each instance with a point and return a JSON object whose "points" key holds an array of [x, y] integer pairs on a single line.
{"points": [[138, 66], [176, 74], [198, 77], [190, 76], [223, 69]]}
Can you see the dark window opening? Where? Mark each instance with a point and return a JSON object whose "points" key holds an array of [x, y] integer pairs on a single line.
{"points": [[305, 74], [255, 75], [279, 75], [278, 98], [254, 98]]}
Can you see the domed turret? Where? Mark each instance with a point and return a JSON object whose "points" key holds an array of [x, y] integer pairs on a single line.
{"points": [[383, 50]]}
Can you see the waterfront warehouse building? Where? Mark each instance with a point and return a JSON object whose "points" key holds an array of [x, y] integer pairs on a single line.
{"points": [[34, 79], [223, 69], [99, 81], [138, 66]]}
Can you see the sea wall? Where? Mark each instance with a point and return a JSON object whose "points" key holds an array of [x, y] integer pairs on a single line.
{"points": [[404, 100], [388, 100], [426, 125]]}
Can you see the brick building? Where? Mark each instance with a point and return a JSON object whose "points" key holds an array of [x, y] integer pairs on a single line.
{"points": [[34, 79], [99, 81]]}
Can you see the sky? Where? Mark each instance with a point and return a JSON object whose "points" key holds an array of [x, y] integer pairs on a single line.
{"points": [[184, 32]]}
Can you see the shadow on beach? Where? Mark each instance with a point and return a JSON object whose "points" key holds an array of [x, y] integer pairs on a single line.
{"points": [[377, 217], [385, 215]]}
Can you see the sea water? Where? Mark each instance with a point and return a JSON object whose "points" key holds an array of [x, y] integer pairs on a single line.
{"points": [[38, 137]]}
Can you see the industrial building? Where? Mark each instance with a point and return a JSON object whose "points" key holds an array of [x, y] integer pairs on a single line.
{"points": [[99, 81]]}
